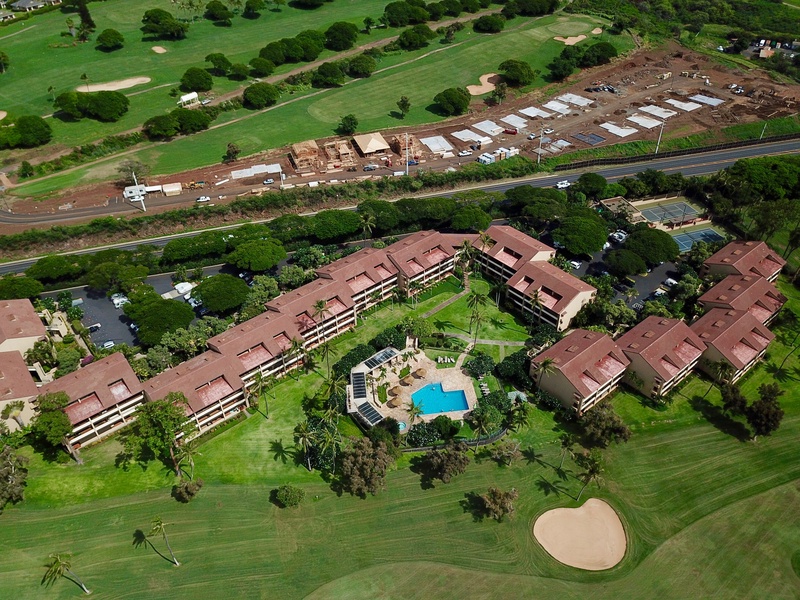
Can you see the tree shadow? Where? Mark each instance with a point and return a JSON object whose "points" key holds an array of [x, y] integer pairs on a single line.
{"points": [[474, 505], [498, 323], [716, 417], [281, 452], [434, 108], [777, 373], [562, 473], [419, 465], [550, 487], [441, 324], [140, 540], [396, 114]]}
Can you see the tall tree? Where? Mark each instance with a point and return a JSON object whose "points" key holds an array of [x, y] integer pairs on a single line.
{"points": [[13, 476], [546, 366], [592, 465], [567, 442], [159, 527], [415, 411], [305, 437], [364, 466], [404, 105], [61, 566], [13, 410], [765, 414], [498, 503], [186, 454], [447, 462]]}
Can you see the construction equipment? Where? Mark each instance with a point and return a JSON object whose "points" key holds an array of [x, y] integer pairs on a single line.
{"points": [[666, 75], [196, 185]]}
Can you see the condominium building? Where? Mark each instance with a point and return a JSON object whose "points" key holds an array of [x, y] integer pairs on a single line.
{"points": [[503, 250], [548, 294], [662, 353], [16, 386], [733, 337], [103, 398], [581, 369], [423, 258], [745, 258], [20, 326], [752, 293]]}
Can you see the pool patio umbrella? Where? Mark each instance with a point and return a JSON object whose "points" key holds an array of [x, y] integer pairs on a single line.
{"points": [[396, 390], [407, 380], [420, 372], [395, 402]]}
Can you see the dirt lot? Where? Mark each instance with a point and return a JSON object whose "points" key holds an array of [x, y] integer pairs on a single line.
{"points": [[634, 78]]}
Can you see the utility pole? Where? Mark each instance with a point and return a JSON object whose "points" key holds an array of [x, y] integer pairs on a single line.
{"points": [[660, 133], [406, 154], [139, 198], [761, 137], [539, 154]]}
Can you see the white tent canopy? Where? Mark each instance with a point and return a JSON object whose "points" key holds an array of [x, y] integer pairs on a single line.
{"points": [[575, 99], [558, 107], [646, 122], [687, 106], [661, 113], [467, 135], [188, 99], [706, 100], [437, 144], [489, 127], [618, 131]]}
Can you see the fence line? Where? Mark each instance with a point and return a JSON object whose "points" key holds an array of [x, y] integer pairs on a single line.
{"points": [[481, 441], [622, 160]]}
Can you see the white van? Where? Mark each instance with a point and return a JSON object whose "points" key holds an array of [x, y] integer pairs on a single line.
{"points": [[669, 282]]}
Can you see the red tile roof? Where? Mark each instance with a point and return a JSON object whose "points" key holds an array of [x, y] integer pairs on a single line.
{"points": [[747, 258], [15, 379], [203, 379], [735, 334], [512, 247], [745, 292], [96, 387], [557, 289], [257, 340], [18, 319], [360, 270], [667, 345], [587, 359], [422, 250]]}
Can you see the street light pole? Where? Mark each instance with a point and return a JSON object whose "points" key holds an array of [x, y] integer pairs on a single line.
{"points": [[764, 129], [406, 154], [539, 154], [660, 133]]}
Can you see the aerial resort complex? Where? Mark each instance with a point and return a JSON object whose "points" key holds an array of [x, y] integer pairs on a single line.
{"points": [[407, 300]]}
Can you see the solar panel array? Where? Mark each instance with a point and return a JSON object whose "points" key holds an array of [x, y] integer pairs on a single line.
{"points": [[380, 358], [372, 416], [359, 382]]}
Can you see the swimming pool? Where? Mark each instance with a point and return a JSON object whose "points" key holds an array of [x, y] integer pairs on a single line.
{"points": [[433, 399]]}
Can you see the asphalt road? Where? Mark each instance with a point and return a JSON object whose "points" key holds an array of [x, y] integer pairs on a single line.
{"points": [[693, 165]]}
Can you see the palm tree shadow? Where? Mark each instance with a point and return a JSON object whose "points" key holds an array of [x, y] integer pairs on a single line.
{"points": [[716, 417], [442, 325], [281, 452], [550, 487], [779, 374], [140, 539], [498, 323]]}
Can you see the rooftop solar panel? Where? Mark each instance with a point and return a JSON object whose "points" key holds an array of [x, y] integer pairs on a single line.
{"points": [[359, 385], [367, 411], [380, 358]]}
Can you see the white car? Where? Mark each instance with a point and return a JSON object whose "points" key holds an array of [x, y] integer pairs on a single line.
{"points": [[269, 181], [562, 185], [465, 153], [575, 264], [119, 300], [204, 199], [549, 130], [184, 287], [107, 345], [670, 282], [531, 136], [194, 302]]}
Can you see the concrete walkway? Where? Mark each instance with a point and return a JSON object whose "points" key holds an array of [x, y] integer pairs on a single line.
{"points": [[446, 303], [469, 338]]}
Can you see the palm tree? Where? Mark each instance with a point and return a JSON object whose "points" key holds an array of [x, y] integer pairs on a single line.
{"points": [[500, 288], [485, 240], [536, 304], [330, 441], [414, 288], [187, 453], [520, 416], [477, 319], [332, 386], [325, 350], [13, 410], [415, 411], [296, 348], [481, 423], [465, 254], [721, 370], [160, 528], [52, 91], [85, 79], [476, 300], [61, 566], [567, 441], [367, 225], [545, 367], [305, 437], [592, 469]]}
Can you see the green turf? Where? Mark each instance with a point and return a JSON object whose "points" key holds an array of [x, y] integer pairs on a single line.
{"points": [[706, 515]]}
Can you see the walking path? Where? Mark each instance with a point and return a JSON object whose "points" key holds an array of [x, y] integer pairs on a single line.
{"points": [[446, 303], [469, 338]]}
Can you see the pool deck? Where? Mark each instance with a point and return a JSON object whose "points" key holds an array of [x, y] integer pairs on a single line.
{"points": [[451, 379]]}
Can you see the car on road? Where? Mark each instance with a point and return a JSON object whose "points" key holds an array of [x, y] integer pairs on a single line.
{"points": [[184, 287], [531, 136], [575, 264], [465, 153], [133, 327], [107, 345], [371, 168], [549, 130], [562, 185], [119, 300], [204, 199], [269, 181]]}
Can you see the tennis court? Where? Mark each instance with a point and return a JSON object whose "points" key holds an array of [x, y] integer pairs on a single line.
{"points": [[667, 212], [687, 239]]}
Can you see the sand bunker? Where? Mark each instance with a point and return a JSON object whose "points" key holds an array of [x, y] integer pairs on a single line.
{"points": [[159, 49], [488, 81], [597, 31], [590, 537], [2, 114], [113, 86], [570, 41]]}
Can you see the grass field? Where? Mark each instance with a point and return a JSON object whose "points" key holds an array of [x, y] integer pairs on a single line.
{"points": [[419, 75]]}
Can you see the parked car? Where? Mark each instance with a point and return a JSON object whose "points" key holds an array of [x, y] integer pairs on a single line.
{"points": [[371, 168], [184, 287], [511, 131], [531, 136], [204, 199], [549, 130], [269, 181], [94, 327], [119, 300], [195, 302], [413, 162], [670, 282], [108, 344], [562, 185], [133, 327], [465, 153], [619, 236], [575, 264]]}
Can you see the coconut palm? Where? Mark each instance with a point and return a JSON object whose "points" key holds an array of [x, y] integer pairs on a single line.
{"points": [[320, 309], [332, 386], [592, 469], [478, 318], [721, 370], [61, 566], [305, 437], [325, 350], [520, 416], [545, 367], [160, 528], [536, 304], [329, 441], [414, 288], [485, 240], [295, 348], [567, 442], [499, 288], [482, 424], [85, 79], [367, 225], [13, 410], [186, 454], [415, 411]]}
